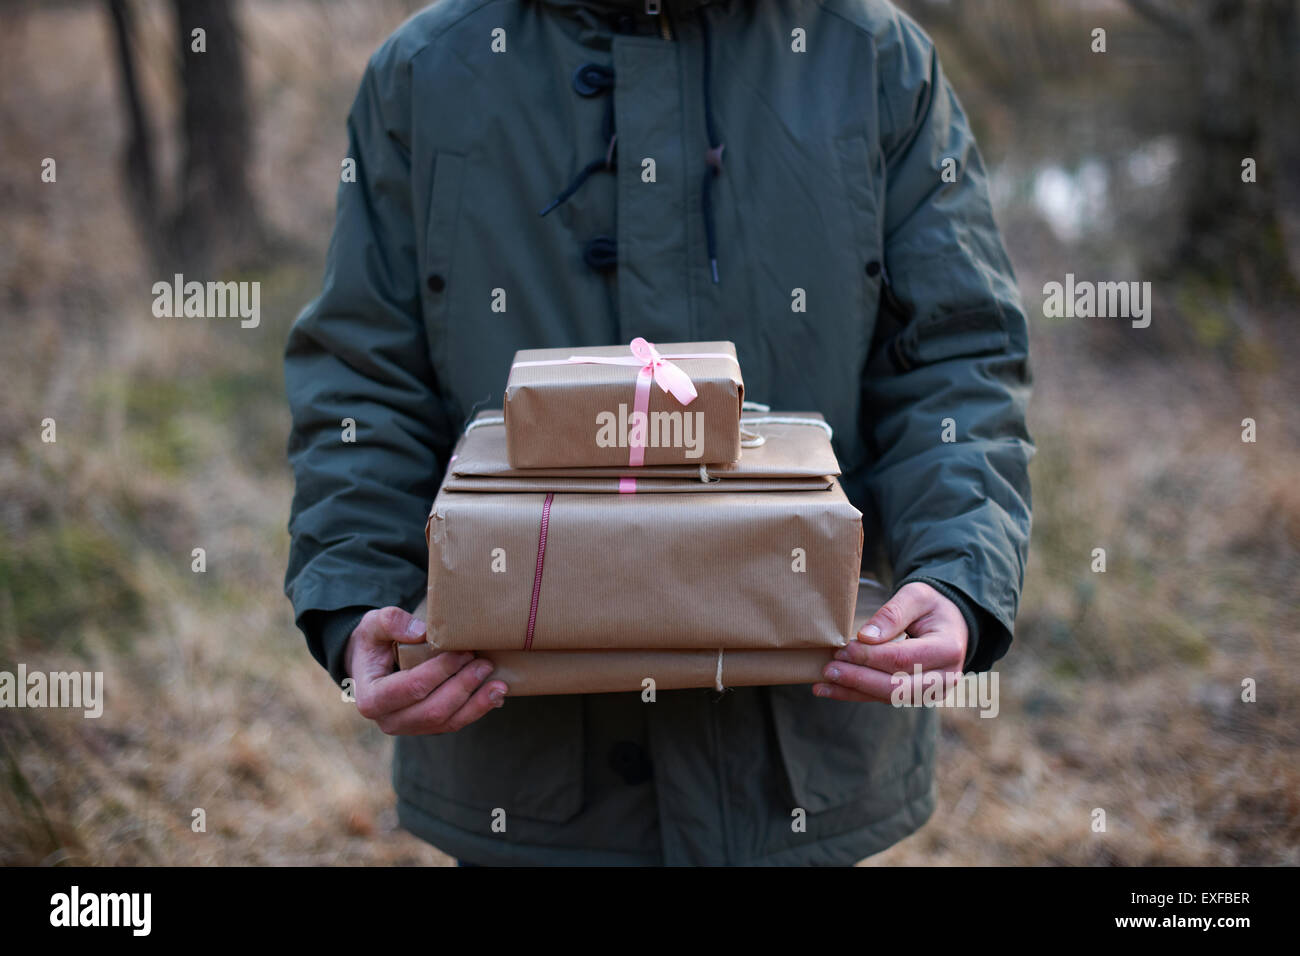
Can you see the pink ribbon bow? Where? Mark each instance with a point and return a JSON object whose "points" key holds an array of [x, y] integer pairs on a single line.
{"points": [[653, 367], [669, 377], [666, 375]]}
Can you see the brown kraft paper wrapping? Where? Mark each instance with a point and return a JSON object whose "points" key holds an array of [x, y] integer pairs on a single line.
{"points": [[552, 411], [793, 445], [769, 557], [643, 571], [537, 673]]}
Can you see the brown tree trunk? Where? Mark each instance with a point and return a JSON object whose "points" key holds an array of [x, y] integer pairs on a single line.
{"points": [[1243, 73], [138, 170], [216, 223], [1281, 52]]}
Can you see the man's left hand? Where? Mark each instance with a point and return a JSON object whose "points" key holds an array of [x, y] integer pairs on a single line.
{"points": [[937, 637]]}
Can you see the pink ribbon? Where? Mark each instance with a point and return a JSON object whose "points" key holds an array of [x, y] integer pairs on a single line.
{"points": [[652, 367], [537, 573]]}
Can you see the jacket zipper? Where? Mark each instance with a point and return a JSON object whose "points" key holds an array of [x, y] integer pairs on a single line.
{"points": [[655, 8]]}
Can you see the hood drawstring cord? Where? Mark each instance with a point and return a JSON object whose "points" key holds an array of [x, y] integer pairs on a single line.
{"points": [[713, 155], [594, 79]]}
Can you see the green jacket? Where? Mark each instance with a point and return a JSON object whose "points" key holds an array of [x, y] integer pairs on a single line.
{"points": [[860, 274]]}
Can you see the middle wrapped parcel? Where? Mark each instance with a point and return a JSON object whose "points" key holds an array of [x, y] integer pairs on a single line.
{"points": [[764, 552]]}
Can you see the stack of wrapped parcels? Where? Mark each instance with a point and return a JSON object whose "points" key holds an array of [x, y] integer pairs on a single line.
{"points": [[624, 519]]}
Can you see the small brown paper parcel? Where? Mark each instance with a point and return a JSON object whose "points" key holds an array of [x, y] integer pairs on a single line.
{"points": [[780, 445], [536, 673], [597, 566], [562, 413]]}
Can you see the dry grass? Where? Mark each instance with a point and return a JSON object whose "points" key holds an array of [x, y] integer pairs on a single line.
{"points": [[170, 437], [1122, 691]]}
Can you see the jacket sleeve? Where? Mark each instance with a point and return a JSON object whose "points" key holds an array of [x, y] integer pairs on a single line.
{"points": [[948, 379], [358, 354]]}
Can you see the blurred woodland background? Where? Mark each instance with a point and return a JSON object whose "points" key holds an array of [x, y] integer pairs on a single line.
{"points": [[1123, 689]]}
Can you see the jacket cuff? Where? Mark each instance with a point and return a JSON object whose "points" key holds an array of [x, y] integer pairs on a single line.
{"points": [[969, 611], [327, 634]]}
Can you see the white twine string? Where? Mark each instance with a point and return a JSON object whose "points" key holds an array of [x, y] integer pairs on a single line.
{"points": [[492, 420], [750, 439], [717, 678]]}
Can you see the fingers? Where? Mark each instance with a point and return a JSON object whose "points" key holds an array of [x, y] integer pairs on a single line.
{"points": [[392, 692], [867, 683], [909, 603], [877, 666], [442, 694], [459, 700], [370, 648], [836, 692], [938, 651], [488, 697]]}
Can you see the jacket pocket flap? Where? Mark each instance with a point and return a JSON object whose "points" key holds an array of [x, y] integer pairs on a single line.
{"points": [[525, 758]]}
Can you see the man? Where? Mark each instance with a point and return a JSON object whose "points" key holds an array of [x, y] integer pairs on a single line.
{"points": [[794, 176]]}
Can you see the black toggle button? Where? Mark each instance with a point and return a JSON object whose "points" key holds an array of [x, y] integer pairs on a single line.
{"points": [[601, 253], [592, 79], [436, 283], [873, 268]]}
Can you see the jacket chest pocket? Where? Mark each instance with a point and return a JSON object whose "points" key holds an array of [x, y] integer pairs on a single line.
{"points": [[438, 263]]}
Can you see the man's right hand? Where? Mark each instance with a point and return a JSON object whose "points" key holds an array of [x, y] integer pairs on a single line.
{"points": [[439, 696]]}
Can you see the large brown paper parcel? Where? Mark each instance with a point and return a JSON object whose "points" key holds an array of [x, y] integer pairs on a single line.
{"points": [[555, 413], [536, 673], [721, 569]]}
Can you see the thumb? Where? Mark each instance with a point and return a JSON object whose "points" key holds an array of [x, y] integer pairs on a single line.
{"points": [[387, 624], [908, 604]]}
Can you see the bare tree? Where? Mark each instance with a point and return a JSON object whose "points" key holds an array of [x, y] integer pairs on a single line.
{"points": [[1242, 66], [216, 217], [138, 171], [214, 221]]}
